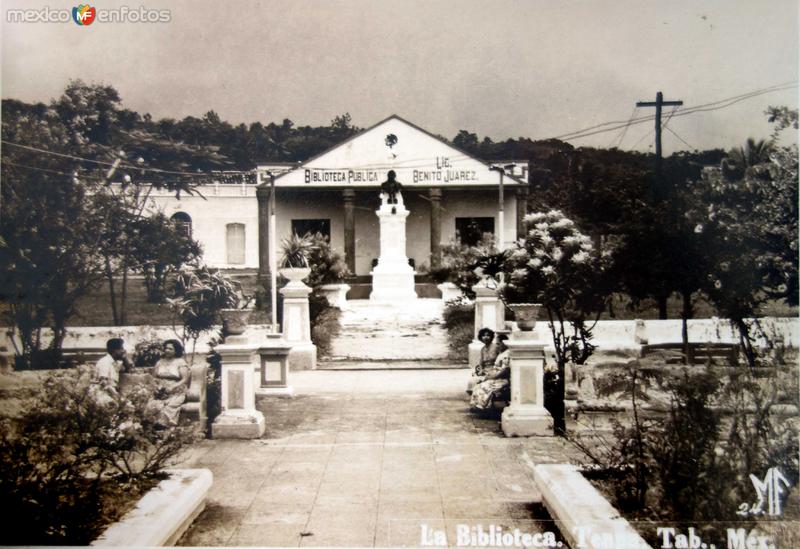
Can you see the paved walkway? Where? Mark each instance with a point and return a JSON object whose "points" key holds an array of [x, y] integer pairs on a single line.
{"points": [[384, 331], [367, 458]]}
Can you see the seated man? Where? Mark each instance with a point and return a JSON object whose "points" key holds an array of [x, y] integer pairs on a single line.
{"points": [[495, 383], [106, 371]]}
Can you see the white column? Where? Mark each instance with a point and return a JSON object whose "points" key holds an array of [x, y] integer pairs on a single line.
{"points": [[489, 313], [297, 326], [239, 417], [526, 415]]}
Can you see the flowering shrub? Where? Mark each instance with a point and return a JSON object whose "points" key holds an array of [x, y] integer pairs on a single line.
{"points": [[63, 459], [464, 265], [556, 265]]}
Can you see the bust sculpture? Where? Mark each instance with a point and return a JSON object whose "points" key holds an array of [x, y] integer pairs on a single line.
{"points": [[391, 187]]}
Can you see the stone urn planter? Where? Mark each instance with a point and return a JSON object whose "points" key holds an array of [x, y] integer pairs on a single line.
{"points": [[295, 275], [526, 315], [449, 291], [336, 294], [234, 321]]}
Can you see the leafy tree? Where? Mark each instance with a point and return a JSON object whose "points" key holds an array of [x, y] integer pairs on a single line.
{"points": [[160, 249], [50, 231], [751, 217], [63, 226], [557, 266]]}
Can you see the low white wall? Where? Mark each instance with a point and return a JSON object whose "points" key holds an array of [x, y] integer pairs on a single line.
{"points": [[621, 334], [608, 334], [584, 516], [96, 336], [163, 514]]}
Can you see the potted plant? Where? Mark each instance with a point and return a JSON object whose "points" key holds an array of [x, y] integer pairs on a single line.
{"points": [[328, 271], [295, 252], [198, 297], [234, 319]]}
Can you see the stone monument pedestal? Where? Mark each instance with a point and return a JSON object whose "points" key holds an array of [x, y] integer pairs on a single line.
{"points": [[239, 417], [526, 415], [274, 371], [392, 277], [297, 326], [489, 313]]}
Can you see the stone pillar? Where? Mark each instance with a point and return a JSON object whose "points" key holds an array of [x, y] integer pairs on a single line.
{"points": [[489, 313], [274, 370], [392, 277], [522, 210], [297, 325], [348, 195], [526, 415], [262, 195], [239, 417], [436, 227]]}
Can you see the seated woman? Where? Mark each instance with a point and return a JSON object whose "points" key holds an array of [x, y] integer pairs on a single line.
{"points": [[172, 376], [495, 383], [488, 355]]}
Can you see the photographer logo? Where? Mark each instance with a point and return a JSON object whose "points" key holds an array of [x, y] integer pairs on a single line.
{"points": [[769, 491], [84, 15]]}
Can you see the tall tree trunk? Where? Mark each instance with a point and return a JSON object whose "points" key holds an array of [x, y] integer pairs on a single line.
{"points": [[124, 299], [746, 341], [112, 292], [662, 307], [686, 314]]}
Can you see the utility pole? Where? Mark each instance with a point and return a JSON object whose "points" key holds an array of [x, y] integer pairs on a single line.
{"points": [[659, 191], [501, 206], [659, 102], [273, 261]]}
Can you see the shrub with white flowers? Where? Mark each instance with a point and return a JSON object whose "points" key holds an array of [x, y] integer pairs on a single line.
{"points": [[557, 266]]}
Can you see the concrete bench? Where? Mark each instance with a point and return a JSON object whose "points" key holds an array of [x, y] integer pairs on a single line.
{"points": [[699, 353], [86, 355], [195, 406]]}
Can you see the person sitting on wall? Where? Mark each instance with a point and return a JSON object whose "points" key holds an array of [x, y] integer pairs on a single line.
{"points": [[105, 376], [486, 360], [495, 385], [172, 376], [391, 187]]}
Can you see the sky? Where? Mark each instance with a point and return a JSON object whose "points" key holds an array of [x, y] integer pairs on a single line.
{"points": [[502, 68]]}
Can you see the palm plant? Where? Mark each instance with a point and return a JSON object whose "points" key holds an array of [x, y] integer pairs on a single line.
{"points": [[296, 250]]}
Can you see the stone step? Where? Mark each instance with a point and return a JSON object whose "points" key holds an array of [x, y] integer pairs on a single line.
{"points": [[350, 365], [372, 331]]}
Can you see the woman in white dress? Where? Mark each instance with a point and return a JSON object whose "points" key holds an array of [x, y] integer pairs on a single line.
{"points": [[495, 383], [172, 376]]}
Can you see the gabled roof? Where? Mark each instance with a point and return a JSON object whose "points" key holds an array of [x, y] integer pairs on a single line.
{"points": [[418, 157]]}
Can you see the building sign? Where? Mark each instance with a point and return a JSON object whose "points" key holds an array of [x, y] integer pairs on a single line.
{"points": [[342, 176], [417, 157], [440, 170]]}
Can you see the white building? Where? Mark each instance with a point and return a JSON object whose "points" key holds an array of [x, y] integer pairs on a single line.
{"points": [[449, 194]]}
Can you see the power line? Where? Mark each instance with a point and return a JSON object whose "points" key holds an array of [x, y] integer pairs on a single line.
{"points": [[645, 136], [625, 129], [100, 162], [412, 163], [45, 170], [679, 137], [716, 105]]}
